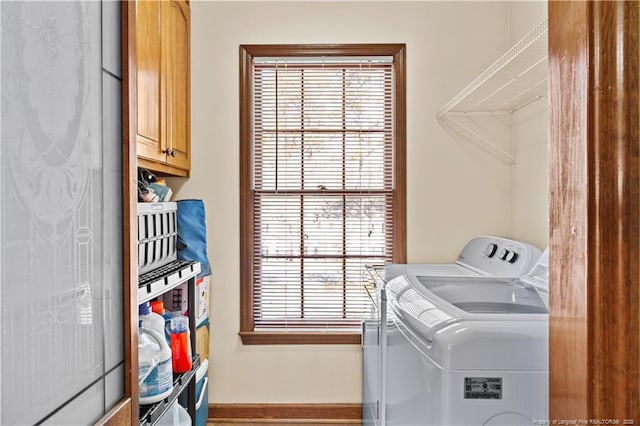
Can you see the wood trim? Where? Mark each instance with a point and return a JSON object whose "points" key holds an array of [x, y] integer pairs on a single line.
{"points": [[246, 197], [614, 214], [345, 413], [382, 49], [299, 338], [594, 176], [161, 168], [400, 156], [247, 53], [130, 207], [188, 77], [567, 165], [119, 415]]}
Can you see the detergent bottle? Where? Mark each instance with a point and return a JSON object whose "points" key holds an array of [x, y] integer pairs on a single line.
{"points": [[180, 344], [151, 320], [155, 373], [157, 306]]}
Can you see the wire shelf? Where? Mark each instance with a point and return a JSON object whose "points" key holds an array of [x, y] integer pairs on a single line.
{"points": [[516, 79]]}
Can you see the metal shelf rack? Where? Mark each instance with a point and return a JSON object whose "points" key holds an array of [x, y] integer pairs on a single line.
{"points": [[151, 285], [150, 414]]}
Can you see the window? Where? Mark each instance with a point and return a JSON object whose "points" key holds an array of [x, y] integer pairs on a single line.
{"points": [[322, 158]]}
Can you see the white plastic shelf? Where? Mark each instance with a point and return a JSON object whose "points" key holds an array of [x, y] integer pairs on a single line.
{"points": [[159, 281], [515, 80]]}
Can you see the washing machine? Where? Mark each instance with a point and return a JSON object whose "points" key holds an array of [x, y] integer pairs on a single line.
{"points": [[468, 350], [481, 256]]}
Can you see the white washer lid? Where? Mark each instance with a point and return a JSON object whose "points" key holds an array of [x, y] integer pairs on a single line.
{"points": [[539, 276], [393, 270], [415, 309]]}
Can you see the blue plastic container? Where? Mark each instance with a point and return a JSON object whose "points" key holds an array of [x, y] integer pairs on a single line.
{"points": [[202, 394]]}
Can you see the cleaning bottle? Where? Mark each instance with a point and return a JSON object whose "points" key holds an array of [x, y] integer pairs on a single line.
{"points": [[155, 374], [151, 320], [157, 306], [180, 344]]}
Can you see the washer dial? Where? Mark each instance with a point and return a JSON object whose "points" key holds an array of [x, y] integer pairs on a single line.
{"points": [[491, 249], [504, 253], [512, 257]]}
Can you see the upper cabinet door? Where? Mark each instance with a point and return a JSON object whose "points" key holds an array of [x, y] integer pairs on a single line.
{"points": [[163, 99], [149, 111], [176, 39]]}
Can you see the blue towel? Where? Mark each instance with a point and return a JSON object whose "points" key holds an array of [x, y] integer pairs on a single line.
{"points": [[192, 234]]}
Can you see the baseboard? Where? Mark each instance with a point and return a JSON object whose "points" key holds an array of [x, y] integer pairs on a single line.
{"points": [[318, 413]]}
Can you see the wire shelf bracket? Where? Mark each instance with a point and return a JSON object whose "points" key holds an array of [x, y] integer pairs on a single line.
{"points": [[459, 127]]}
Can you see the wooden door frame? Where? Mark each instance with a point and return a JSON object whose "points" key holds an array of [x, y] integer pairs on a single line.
{"points": [[594, 211], [130, 206], [126, 411]]}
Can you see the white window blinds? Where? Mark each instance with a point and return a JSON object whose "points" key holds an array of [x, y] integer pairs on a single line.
{"points": [[322, 191]]}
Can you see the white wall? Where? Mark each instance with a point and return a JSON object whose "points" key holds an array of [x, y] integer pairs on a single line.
{"points": [[455, 190], [529, 143]]}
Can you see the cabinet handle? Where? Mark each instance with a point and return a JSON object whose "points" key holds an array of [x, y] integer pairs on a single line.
{"points": [[172, 152], [165, 151]]}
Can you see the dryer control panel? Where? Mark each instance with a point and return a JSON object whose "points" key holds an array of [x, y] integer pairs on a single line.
{"points": [[499, 256]]}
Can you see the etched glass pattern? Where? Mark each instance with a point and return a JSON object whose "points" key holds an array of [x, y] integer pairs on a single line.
{"points": [[60, 214]]}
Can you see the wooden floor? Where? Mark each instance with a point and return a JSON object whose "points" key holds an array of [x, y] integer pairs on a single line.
{"points": [[282, 422]]}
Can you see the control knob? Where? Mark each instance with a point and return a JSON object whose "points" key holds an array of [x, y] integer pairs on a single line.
{"points": [[491, 249], [512, 257], [503, 254]]}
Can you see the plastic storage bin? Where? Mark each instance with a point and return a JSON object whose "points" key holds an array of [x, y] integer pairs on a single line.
{"points": [[175, 416], [202, 394], [157, 235]]}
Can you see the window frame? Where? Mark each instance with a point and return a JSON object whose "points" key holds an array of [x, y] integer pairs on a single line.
{"points": [[247, 53]]}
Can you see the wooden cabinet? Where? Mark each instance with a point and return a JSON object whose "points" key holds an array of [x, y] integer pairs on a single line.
{"points": [[177, 82], [149, 110], [163, 86]]}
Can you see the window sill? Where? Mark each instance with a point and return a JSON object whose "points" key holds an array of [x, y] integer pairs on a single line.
{"points": [[299, 338]]}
